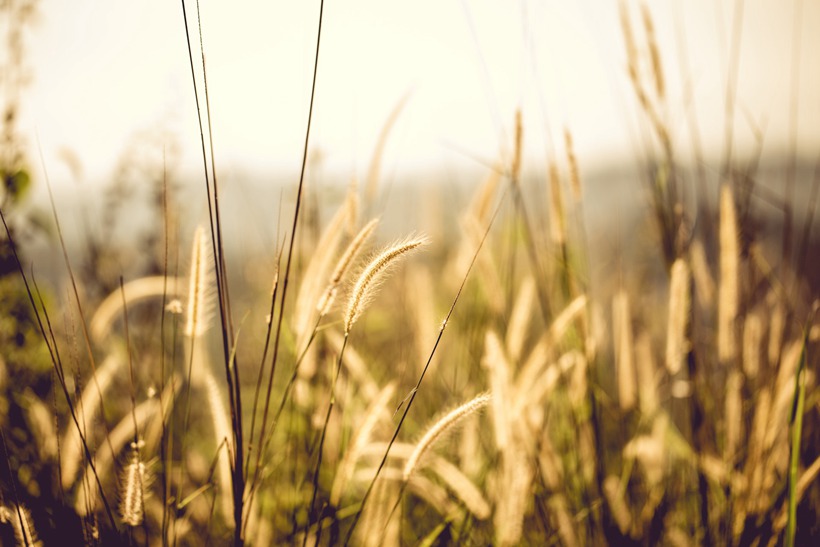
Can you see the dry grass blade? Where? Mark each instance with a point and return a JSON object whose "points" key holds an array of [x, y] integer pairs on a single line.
{"points": [[752, 338], [546, 346], [677, 344], [200, 305], [654, 53], [624, 361], [646, 373], [374, 170], [222, 434], [343, 265], [462, 487], [704, 284], [139, 289], [363, 291], [520, 317], [120, 436], [495, 361], [134, 488], [734, 416]]}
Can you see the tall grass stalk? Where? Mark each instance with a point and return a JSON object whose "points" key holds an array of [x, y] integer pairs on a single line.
{"points": [[288, 261]]}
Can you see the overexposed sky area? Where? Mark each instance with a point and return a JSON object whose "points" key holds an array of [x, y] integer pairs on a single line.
{"points": [[107, 74]]}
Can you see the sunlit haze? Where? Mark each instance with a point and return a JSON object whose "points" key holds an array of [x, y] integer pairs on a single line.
{"points": [[106, 74]]}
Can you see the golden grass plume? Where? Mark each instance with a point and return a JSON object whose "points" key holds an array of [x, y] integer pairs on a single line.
{"points": [[374, 273], [440, 427]]}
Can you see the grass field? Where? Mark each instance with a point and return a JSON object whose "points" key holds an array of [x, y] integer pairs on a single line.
{"points": [[506, 377]]}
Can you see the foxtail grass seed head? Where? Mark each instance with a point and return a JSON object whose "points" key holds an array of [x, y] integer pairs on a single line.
{"points": [[512, 500], [374, 273], [572, 163], [461, 485], [622, 335], [343, 265], [728, 288], [629, 40], [371, 184], [646, 373], [440, 427], [199, 286], [520, 318], [676, 338], [223, 439], [144, 288], [704, 284], [20, 519], [133, 488], [556, 206], [519, 138], [654, 53], [752, 339], [777, 325]]}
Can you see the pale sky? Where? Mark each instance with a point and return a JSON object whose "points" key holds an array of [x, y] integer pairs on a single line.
{"points": [[105, 72]]}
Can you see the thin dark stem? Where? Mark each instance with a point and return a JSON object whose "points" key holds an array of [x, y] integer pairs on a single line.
{"points": [[330, 405], [286, 277], [226, 322], [269, 436], [261, 375]]}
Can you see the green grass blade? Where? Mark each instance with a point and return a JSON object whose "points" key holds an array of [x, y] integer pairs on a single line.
{"points": [[796, 427]]}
